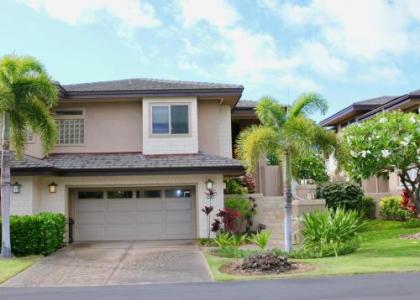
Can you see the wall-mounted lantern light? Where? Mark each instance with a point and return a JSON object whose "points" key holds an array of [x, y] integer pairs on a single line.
{"points": [[16, 187], [209, 184], [52, 187]]}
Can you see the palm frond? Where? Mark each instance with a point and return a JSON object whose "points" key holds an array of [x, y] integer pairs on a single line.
{"points": [[29, 64], [17, 133], [307, 104], [41, 122], [36, 85], [270, 112], [255, 141]]}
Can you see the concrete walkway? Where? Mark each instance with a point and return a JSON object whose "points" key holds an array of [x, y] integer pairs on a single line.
{"points": [[117, 263]]}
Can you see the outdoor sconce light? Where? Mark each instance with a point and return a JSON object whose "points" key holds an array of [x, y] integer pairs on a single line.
{"points": [[209, 184], [52, 187], [16, 187]]}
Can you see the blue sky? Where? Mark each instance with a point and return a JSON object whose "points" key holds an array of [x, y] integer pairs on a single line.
{"points": [[345, 50]]}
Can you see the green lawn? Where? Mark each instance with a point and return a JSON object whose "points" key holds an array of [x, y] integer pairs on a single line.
{"points": [[381, 251], [13, 266]]}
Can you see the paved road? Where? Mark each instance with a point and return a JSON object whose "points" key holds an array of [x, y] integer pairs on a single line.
{"points": [[366, 287]]}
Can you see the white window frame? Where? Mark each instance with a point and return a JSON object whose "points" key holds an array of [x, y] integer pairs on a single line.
{"points": [[169, 134], [29, 133], [72, 117]]}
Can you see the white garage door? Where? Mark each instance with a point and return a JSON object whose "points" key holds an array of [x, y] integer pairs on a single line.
{"points": [[141, 214]]}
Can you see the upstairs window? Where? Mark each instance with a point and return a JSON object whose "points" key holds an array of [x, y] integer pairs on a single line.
{"points": [[71, 126], [170, 119]]}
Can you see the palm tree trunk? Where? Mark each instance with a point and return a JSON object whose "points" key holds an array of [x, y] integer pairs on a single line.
{"points": [[288, 204], [6, 250]]}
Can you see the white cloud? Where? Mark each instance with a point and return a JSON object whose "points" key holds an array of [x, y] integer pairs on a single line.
{"points": [[247, 56], [131, 14], [360, 29], [218, 13]]}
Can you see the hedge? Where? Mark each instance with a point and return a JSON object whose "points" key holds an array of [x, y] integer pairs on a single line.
{"points": [[340, 194], [41, 233]]}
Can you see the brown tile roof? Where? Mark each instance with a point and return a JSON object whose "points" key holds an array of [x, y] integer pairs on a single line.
{"points": [[127, 162]]}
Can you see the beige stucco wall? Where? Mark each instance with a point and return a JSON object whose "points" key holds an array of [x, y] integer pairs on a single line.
{"points": [[35, 197], [208, 115], [109, 127]]}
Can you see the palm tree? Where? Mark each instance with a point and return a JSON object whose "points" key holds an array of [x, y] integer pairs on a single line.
{"points": [[27, 94], [285, 132]]}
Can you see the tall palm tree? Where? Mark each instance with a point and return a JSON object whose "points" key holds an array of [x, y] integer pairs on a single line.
{"points": [[27, 94], [285, 132]]}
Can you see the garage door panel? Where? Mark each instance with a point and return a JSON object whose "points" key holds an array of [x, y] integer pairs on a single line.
{"points": [[179, 216], [122, 204], [179, 204], [91, 205], [150, 217], [179, 229], [86, 218], [134, 218], [120, 217], [149, 204], [90, 232]]}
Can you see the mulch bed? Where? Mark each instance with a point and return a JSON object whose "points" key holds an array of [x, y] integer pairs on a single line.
{"points": [[414, 236], [235, 269]]}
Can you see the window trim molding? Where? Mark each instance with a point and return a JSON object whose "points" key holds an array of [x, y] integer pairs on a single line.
{"points": [[72, 117], [169, 135]]}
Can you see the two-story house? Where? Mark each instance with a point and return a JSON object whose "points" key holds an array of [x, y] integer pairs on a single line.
{"points": [[362, 110], [133, 159]]}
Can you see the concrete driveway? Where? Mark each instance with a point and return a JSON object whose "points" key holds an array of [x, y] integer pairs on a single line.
{"points": [[117, 263]]}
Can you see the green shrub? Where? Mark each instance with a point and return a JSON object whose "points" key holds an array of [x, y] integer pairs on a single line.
{"points": [[368, 207], [222, 239], [42, 233], [340, 194], [327, 251], [207, 242], [330, 231], [234, 252], [391, 209], [246, 208], [234, 187], [412, 223], [311, 167], [260, 239]]}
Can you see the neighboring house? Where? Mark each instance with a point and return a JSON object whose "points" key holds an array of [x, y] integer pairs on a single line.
{"points": [[363, 110], [133, 158]]}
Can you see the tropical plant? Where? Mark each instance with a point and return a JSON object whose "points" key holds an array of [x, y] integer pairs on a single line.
{"points": [[340, 194], [389, 142], [312, 167], [330, 230], [230, 218], [286, 133], [246, 208], [260, 239], [391, 208], [223, 239], [368, 207], [234, 187], [27, 94]]}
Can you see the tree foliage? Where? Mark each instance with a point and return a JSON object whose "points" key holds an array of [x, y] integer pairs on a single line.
{"points": [[386, 143], [26, 95]]}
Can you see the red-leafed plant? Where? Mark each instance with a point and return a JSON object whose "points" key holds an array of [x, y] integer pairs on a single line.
{"points": [[407, 202], [249, 181], [229, 218]]}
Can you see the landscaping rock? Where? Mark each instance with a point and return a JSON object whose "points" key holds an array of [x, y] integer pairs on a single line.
{"points": [[266, 262], [415, 236]]}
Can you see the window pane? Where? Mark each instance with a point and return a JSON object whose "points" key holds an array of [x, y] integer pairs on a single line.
{"points": [[70, 132], [91, 195], [119, 194], [179, 119], [178, 193], [149, 194], [160, 119]]}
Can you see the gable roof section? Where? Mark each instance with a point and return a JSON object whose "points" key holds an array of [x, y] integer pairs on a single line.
{"points": [[126, 164], [354, 109], [144, 87]]}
